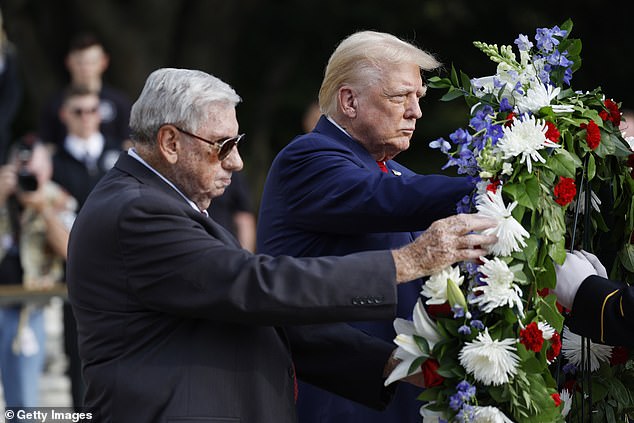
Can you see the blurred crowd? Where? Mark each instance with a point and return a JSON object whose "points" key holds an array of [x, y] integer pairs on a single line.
{"points": [[46, 175]]}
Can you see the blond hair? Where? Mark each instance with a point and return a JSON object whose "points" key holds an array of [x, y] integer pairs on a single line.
{"points": [[359, 60]]}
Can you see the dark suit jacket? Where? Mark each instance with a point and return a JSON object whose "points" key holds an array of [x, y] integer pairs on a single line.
{"points": [[603, 310], [177, 323], [325, 194]]}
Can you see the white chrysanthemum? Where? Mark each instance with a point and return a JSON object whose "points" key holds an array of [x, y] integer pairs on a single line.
{"points": [[571, 349], [629, 140], [500, 290], [489, 415], [435, 288], [491, 362], [566, 400], [547, 330], [509, 232], [408, 350], [524, 138], [537, 96]]}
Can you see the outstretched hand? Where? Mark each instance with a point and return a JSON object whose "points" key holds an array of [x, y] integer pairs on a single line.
{"points": [[444, 243]]}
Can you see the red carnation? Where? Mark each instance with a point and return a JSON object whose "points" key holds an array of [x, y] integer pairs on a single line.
{"points": [[612, 114], [619, 356], [556, 398], [565, 191], [430, 375], [555, 347], [552, 133], [593, 134], [509, 119], [532, 337], [439, 310]]}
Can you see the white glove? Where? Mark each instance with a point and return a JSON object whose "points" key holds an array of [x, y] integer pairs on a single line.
{"points": [[598, 266], [575, 270]]}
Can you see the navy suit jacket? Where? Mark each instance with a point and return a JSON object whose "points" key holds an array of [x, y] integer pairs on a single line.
{"points": [[177, 323], [325, 194]]}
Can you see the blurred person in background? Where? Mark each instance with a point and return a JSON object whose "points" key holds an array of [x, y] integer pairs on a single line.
{"points": [[234, 211], [86, 62], [10, 90], [83, 157], [35, 219], [338, 190]]}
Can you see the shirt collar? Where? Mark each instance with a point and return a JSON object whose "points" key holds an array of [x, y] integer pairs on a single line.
{"points": [[85, 148], [338, 126], [132, 152]]}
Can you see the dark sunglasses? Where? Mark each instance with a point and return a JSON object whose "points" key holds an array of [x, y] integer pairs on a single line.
{"points": [[79, 111], [224, 145]]}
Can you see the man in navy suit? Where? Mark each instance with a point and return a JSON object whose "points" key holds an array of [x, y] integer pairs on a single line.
{"points": [[177, 323], [337, 189]]}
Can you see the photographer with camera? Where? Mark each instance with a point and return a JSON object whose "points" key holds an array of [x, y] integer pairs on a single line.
{"points": [[35, 219]]}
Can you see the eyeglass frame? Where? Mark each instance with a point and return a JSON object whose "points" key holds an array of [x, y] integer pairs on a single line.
{"points": [[220, 144]]}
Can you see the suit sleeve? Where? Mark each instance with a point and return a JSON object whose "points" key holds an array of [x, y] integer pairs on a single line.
{"points": [[328, 188], [175, 266], [602, 310]]}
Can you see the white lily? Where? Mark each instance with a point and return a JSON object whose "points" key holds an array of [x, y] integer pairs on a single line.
{"points": [[408, 349]]}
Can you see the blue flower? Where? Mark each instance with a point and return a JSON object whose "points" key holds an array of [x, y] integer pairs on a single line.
{"points": [[523, 43], [464, 330], [466, 414], [477, 324], [505, 105], [546, 40], [441, 144]]}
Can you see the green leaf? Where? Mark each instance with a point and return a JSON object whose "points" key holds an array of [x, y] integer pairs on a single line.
{"points": [[422, 344], [563, 163], [592, 168], [627, 257], [452, 94], [526, 193], [547, 309], [437, 82], [430, 394]]}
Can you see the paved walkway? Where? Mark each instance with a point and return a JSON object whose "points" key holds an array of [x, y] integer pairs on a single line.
{"points": [[54, 384]]}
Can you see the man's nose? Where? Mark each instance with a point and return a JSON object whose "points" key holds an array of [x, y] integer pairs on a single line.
{"points": [[233, 161]]}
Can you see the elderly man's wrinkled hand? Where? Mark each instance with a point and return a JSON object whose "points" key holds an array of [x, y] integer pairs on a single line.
{"points": [[445, 242]]}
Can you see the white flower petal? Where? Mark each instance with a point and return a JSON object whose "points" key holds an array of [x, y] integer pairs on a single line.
{"points": [[404, 326], [425, 327], [489, 415], [401, 371], [525, 138], [491, 362], [572, 351], [510, 232], [435, 288]]}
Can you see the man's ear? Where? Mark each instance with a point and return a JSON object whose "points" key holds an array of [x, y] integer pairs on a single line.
{"points": [[347, 101], [168, 143]]}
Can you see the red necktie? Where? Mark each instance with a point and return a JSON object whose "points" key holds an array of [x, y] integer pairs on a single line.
{"points": [[382, 166]]}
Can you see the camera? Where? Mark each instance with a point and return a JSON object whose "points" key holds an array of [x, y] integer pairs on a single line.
{"points": [[26, 180]]}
